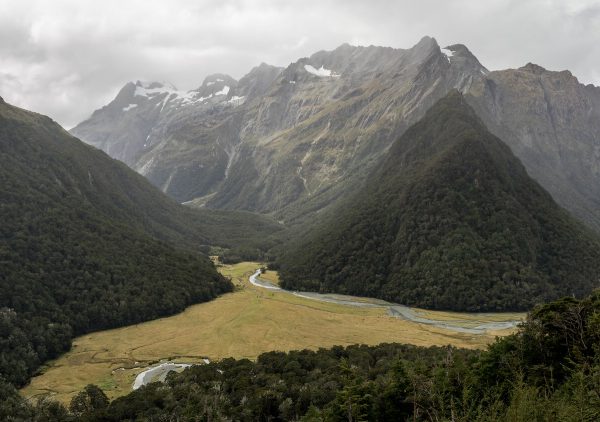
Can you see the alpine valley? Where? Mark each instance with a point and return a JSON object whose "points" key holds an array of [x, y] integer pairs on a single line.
{"points": [[359, 195], [88, 244]]}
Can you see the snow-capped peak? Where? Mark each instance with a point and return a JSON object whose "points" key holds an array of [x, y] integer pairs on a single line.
{"points": [[143, 89], [166, 96]]}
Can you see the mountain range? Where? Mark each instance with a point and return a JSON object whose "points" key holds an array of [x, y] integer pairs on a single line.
{"points": [[414, 175], [291, 141]]}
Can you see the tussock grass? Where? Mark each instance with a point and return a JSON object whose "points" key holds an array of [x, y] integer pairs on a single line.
{"points": [[244, 323]]}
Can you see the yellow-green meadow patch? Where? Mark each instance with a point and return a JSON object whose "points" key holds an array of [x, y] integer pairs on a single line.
{"points": [[241, 324]]}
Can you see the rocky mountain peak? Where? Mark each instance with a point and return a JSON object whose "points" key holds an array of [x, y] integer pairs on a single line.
{"points": [[258, 81], [263, 67], [533, 68], [426, 44], [460, 55], [346, 60], [218, 79], [133, 94], [563, 75], [460, 50], [155, 85], [126, 93], [216, 84], [345, 46]]}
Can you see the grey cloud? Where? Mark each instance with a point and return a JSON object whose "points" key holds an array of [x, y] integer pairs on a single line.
{"points": [[66, 58]]}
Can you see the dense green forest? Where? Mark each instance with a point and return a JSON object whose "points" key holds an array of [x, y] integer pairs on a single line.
{"points": [[449, 220], [86, 244], [548, 371]]}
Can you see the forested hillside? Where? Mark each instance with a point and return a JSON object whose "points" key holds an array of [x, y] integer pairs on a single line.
{"points": [[449, 220], [80, 245], [118, 192]]}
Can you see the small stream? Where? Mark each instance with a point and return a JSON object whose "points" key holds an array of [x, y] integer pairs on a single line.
{"points": [[158, 373], [394, 309]]}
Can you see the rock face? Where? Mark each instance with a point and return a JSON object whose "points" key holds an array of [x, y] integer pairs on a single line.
{"points": [[552, 123], [291, 141], [279, 136], [449, 219], [124, 128], [329, 117], [175, 138]]}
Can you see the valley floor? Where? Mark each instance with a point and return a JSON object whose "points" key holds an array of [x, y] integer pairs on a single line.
{"points": [[242, 324]]}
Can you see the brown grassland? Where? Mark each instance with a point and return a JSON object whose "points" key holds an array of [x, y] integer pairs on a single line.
{"points": [[241, 324]]}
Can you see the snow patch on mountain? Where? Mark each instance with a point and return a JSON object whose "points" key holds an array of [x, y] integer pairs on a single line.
{"points": [[237, 100], [321, 72], [192, 98], [448, 53], [129, 107], [143, 89], [224, 91], [172, 97]]}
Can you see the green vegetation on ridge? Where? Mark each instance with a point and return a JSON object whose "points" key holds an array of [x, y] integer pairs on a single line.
{"points": [[83, 245], [449, 220]]}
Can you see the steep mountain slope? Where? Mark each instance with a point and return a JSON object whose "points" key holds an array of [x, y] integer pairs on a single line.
{"points": [[80, 246], [552, 123], [176, 139], [144, 207], [319, 123], [123, 128], [309, 133], [449, 220], [330, 116]]}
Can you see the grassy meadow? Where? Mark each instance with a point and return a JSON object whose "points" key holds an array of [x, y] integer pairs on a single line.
{"points": [[241, 324]]}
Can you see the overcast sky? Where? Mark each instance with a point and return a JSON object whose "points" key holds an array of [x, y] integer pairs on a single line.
{"points": [[65, 58]]}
